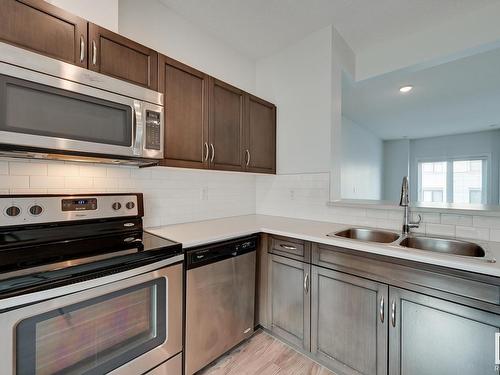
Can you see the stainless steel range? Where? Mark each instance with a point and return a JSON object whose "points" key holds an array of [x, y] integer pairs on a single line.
{"points": [[84, 290]]}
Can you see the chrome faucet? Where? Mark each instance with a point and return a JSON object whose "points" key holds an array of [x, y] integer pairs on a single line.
{"points": [[405, 202]]}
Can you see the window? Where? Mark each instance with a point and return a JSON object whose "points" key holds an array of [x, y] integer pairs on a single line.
{"points": [[452, 181], [432, 182]]}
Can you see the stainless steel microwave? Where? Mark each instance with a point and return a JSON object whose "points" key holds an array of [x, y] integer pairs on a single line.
{"points": [[54, 110]]}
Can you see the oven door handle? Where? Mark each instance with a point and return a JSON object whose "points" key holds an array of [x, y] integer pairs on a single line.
{"points": [[137, 128]]}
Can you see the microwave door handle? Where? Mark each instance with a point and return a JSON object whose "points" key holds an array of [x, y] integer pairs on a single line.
{"points": [[137, 129]]}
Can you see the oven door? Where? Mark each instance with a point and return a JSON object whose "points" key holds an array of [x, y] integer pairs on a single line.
{"points": [[125, 327], [39, 111]]}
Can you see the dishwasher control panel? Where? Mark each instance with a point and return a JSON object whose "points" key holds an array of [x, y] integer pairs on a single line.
{"points": [[219, 251]]}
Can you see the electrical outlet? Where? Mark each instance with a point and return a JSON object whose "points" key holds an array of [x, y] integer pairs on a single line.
{"points": [[204, 193]]}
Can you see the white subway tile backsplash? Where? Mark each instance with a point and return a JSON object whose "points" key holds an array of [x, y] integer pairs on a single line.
{"points": [[473, 233], [495, 235], [118, 172], [440, 230], [14, 182], [53, 182], [486, 221], [462, 220], [171, 195], [79, 182], [63, 169], [4, 168], [27, 169]]}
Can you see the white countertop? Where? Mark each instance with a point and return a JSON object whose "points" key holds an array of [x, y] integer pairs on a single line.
{"points": [[204, 232]]}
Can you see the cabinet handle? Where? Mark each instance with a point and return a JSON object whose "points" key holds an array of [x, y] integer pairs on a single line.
{"points": [[82, 48], [94, 53], [248, 157], [381, 312], [306, 283], [393, 313], [206, 151], [288, 247], [213, 152]]}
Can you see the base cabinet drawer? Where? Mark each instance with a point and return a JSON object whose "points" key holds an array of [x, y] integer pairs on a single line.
{"points": [[349, 322], [289, 300], [428, 335]]}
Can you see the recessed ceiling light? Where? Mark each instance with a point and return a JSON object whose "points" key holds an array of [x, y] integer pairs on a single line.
{"points": [[406, 89]]}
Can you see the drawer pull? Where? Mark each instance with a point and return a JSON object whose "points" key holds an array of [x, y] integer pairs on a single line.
{"points": [[288, 247]]}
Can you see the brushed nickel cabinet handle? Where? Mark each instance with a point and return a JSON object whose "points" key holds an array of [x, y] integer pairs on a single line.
{"points": [[213, 152], [288, 247], [381, 312], [82, 48], [206, 151], [248, 157], [94, 53], [393, 313], [306, 283]]}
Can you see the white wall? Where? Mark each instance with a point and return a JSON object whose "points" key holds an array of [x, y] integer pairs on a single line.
{"points": [[153, 24], [101, 12], [298, 80], [362, 162], [396, 154]]}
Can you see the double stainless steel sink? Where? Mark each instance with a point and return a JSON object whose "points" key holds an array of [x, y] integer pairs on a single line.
{"points": [[437, 245]]}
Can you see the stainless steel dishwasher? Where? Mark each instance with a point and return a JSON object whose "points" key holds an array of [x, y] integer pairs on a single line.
{"points": [[220, 298]]}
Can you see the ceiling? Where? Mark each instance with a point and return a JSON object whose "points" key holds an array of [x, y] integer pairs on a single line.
{"points": [[258, 28], [456, 97]]}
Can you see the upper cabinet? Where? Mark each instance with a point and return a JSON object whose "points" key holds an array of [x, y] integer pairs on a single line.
{"points": [[208, 123], [226, 126], [260, 136], [44, 28], [186, 118], [117, 56]]}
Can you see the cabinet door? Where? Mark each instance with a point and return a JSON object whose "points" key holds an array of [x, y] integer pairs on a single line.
{"points": [[45, 29], [349, 322], [186, 117], [117, 56], [260, 136], [289, 300], [428, 335], [226, 126]]}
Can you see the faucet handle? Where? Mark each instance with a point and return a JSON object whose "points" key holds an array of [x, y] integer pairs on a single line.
{"points": [[415, 224]]}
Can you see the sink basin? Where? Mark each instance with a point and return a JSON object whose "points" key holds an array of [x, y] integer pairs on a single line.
{"points": [[365, 234], [446, 246]]}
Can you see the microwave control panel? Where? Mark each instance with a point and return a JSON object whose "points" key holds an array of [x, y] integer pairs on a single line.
{"points": [[153, 130]]}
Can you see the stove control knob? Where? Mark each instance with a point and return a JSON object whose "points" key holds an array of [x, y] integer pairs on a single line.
{"points": [[116, 206], [36, 210], [13, 211], [130, 205]]}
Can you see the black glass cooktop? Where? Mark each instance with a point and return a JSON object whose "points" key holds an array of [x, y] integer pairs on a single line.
{"points": [[37, 258]]}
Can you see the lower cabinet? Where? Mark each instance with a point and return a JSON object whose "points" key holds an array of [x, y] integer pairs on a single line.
{"points": [[353, 324], [428, 335], [289, 301], [349, 322]]}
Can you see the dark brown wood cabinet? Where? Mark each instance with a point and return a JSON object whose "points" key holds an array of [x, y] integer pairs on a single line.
{"points": [[120, 57], [208, 123], [226, 126], [260, 135], [186, 117], [43, 28]]}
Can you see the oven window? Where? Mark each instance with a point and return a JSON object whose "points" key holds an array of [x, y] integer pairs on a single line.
{"points": [[32, 108], [94, 336]]}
